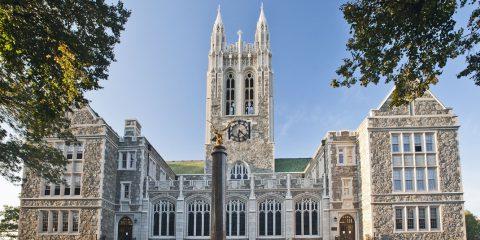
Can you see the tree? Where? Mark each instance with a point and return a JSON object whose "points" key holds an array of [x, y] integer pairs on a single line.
{"points": [[407, 42], [51, 53], [473, 226], [9, 222]]}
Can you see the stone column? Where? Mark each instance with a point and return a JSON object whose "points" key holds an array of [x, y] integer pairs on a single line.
{"points": [[219, 171], [180, 219], [289, 231], [252, 211], [326, 219]]}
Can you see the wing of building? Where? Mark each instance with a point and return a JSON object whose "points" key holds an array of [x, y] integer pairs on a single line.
{"points": [[395, 177]]}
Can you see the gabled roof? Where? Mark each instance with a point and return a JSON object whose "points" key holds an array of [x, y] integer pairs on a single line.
{"points": [[388, 97], [291, 164]]}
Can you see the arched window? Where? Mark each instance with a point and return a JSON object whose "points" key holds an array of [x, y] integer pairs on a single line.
{"points": [[270, 218], [249, 96], [239, 171], [198, 218], [164, 218], [306, 217], [236, 218], [230, 95]]}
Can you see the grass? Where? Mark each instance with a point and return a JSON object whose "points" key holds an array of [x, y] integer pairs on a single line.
{"points": [[187, 167]]}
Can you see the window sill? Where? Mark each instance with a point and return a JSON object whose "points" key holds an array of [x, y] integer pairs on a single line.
{"points": [[418, 231], [59, 234], [416, 192], [61, 197], [242, 115]]}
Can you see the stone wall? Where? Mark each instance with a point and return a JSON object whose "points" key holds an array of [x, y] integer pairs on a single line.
{"points": [[133, 176], [96, 191], [424, 114], [452, 221]]}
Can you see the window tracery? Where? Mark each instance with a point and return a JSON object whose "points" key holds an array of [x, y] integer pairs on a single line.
{"points": [[306, 217], [164, 218], [239, 171], [270, 218], [236, 218], [198, 222]]}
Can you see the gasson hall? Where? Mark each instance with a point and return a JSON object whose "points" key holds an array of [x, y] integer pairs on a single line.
{"points": [[397, 176]]}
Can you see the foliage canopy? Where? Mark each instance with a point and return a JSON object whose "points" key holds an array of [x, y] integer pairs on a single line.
{"points": [[51, 53], [407, 42], [9, 221]]}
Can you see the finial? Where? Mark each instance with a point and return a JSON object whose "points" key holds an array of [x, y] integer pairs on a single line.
{"points": [[218, 20], [262, 15]]}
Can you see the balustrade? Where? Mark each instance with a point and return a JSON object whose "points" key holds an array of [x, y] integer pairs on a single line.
{"points": [[260, 181]]}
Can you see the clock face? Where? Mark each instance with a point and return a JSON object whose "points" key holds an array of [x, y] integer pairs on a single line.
{"points": [[239, 131]]}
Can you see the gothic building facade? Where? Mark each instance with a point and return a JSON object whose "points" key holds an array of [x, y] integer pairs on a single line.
{"points": [[397, 176]]}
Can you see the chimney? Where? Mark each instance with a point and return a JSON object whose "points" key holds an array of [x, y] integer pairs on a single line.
{"points": [[132, 128]]}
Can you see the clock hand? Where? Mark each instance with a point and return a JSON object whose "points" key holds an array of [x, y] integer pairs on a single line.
{"points": [[241, 132]]}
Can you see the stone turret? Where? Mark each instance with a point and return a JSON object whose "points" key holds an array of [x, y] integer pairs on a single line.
{"points": [[262, 38], [218, 39]]}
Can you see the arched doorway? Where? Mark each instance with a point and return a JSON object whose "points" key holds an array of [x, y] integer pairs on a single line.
{"points": [[125, 227], [347, 228]]}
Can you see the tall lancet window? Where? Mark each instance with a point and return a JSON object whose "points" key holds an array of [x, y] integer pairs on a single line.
{"points": [[270, 218], [230, 95], [236, 218], [306, 217], [164, 218], [249, 109], [198, 218]]}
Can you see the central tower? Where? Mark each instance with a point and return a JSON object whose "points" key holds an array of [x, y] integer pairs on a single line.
{"points": [[240, 87]]}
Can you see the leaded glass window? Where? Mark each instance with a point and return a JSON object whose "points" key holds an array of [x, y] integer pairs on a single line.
{"points": [[236, 218], [198, 218], [164, 218], [270, 218], [306, 217], [239, 171], [249, 94], [230, 94]]}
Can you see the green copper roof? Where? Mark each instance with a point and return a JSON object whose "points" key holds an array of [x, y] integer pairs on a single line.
{"points": [[187, 167], [291, 164]]}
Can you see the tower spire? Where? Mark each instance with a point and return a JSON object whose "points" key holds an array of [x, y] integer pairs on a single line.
{"points": [[261, 18], [218, 20], [261, 33], [218, 33]]}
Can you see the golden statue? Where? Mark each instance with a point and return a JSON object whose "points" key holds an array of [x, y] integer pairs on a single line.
{"points": [[218, 133]]}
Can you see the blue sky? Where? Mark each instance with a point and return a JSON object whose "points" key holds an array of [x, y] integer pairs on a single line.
{"points": [[159, 78]]}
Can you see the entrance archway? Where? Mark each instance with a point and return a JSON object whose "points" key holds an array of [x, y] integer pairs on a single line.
{"points": [[125, 227], [347, 228]]}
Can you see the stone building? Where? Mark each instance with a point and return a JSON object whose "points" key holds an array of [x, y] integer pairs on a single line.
{"points": [[395, 177]]}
